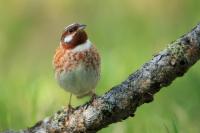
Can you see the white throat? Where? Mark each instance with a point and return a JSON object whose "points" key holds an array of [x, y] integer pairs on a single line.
{"points": [[82, 47]]}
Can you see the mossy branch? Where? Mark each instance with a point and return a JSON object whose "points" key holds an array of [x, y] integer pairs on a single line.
{"points": [[121, 101]]}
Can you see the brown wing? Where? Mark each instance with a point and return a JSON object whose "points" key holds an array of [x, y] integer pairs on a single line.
{"points": [[58, 58]]}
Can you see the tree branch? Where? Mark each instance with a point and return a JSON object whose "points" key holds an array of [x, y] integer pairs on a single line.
{"points": [[122, 100]]}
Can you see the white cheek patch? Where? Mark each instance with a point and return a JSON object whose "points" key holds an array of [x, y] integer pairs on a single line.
{"points": [[82, 47], [68, 38]]}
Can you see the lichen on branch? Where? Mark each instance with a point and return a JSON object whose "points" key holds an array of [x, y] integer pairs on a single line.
{"points": [[122, 100]]}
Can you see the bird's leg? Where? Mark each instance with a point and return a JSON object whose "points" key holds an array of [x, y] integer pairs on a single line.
{"points": [[69, 104], [93, 97], [70, 108], [93, 94]]}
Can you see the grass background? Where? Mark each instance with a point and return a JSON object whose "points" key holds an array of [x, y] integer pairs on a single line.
{"points": [[127, 34]]}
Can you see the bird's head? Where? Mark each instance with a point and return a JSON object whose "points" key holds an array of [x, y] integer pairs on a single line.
{"points": [[73, 35]]}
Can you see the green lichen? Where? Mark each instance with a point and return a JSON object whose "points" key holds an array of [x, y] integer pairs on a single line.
{"points": [[177, 53], [176, 49]]}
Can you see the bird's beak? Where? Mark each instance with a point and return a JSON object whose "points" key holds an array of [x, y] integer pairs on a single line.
{"points": [[82, 27]]}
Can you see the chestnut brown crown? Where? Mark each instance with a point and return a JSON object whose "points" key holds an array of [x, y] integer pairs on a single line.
{"points": [[73, 35]]}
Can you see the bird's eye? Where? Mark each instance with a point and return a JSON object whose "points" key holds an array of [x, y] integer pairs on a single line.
{"points": [[70, 30]]}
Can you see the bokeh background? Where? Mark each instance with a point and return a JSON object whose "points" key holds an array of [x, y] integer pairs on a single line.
{"points": [[126, 32]]}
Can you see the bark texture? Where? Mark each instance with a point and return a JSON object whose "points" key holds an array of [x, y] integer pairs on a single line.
{"points": [[122, 100]]}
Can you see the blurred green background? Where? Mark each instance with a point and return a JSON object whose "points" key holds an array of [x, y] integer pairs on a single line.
{"points": [[127, 34]]}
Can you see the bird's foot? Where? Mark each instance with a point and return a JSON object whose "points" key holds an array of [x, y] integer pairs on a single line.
{"points": [[93, 96], [70, 110]]}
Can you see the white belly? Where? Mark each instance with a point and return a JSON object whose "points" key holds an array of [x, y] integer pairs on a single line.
{"points": [[79, 81]]}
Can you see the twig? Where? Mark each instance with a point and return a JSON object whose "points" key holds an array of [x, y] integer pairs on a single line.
{"points": [[122, 100]]}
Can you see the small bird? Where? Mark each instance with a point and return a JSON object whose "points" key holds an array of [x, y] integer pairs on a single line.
{"points": [[77, 62]]}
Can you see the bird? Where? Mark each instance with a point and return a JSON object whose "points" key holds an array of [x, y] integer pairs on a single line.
{"points": [[76, 62]]}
